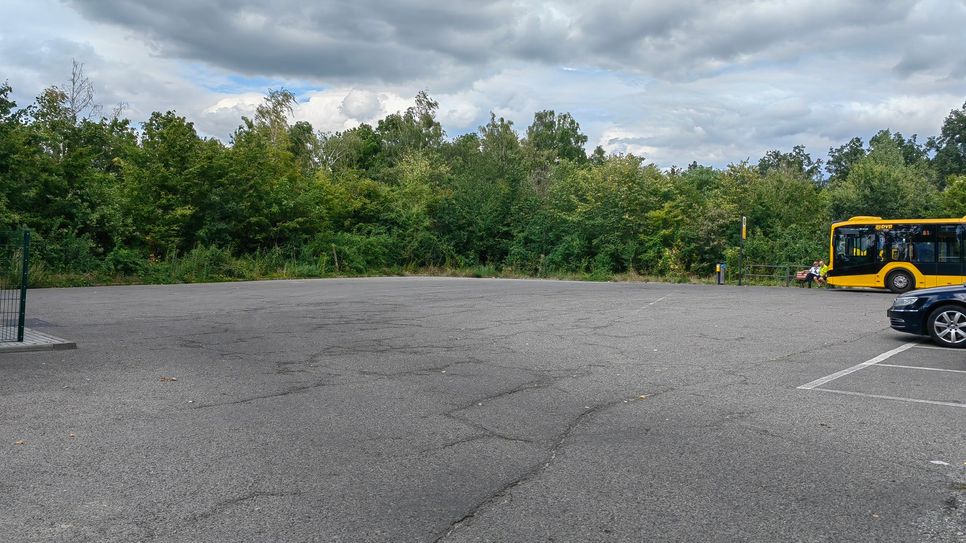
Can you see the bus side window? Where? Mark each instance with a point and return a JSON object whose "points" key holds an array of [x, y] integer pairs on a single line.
{"points": [[949, 244], [924, 245]]}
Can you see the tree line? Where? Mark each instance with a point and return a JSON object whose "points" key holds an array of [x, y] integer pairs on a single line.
{"points": [[157, 202]]}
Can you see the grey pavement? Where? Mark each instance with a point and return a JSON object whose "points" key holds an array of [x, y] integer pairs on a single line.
{"points": [[459, 410]]}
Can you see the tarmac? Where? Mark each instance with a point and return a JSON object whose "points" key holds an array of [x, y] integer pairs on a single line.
{"points": [[459, 410]]}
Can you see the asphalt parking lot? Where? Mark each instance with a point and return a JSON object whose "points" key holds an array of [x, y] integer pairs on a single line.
{"points": [[459, 410]]}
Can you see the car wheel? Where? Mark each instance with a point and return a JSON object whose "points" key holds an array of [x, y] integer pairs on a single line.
{"points": [[947, 326], [900, 281]]}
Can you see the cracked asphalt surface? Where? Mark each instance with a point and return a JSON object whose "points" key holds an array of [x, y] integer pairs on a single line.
{"points": [[461, 410]]}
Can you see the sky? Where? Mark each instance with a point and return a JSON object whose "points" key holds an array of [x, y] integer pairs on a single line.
{"points": [[712, 81]]}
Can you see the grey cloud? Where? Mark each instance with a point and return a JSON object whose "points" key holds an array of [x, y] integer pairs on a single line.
{"points": [[707, 80], [268, 39], [32, 69], [916, 61], [423, 40]]}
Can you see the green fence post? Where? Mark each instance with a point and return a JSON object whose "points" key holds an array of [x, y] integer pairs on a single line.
{"points": [[24, 272]]}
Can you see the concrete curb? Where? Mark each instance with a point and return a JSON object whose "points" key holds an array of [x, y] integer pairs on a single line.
{"points": [[36, 341]]}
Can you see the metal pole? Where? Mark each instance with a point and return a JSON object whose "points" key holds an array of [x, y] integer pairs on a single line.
{"points": [[741, 254], [741, 264], [24, 272]]}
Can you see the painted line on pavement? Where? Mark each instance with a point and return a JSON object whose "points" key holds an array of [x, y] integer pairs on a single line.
{"points": [[897, 398], [857, 367], [652, 303], [918, 368], [933, 347]]}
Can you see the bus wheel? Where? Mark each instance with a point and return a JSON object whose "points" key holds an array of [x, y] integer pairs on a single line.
{"points": [[900, 281], [947, 326]]}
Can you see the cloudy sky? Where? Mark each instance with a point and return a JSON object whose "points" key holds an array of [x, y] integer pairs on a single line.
{"points": [[716, 81]]}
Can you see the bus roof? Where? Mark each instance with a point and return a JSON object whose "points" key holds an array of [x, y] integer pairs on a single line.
{"points": [[864, 219]]}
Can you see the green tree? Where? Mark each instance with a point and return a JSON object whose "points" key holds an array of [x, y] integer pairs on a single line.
{"points": [[358, 148], [556, 137], [271, 116], [842, 158], [64, 187], [501, 146], [883, 184], [304, 145], [950, 146], [787, 218], [161, 188], [12, 143], [414, 130], [796, 162], [953, 197]]}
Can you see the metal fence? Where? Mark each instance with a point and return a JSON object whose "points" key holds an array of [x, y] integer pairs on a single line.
{"points": [[14, 271], [771, 274]]}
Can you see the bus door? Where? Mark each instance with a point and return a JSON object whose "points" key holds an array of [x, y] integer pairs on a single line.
{"points": [[950, 266], [855, 250]]}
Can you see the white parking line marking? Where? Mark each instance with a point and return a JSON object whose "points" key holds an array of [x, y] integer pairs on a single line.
{"points": [[897, 398], [857, 367], [933, 347], [654, 302], [918, 368]]}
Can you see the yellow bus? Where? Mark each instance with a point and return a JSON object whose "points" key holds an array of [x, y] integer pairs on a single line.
{"points": [[897, 254]]}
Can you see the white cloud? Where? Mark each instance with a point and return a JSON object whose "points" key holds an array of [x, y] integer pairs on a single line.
{"points": [[361, 104]]}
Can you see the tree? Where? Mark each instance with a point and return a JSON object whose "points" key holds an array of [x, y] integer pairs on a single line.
{"points": [[598, 156], [305, 147], [414, 130], [355, 149], [556, 137], [79, 94], [162, 192], [913, 153], [950, 146], [798, 161], [500, 143], [271, 116], [12, 142], [842, 158], [882, 184], [953, 197]]}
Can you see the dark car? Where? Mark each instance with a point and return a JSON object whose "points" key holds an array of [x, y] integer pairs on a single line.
{"points": [[939, 312]]}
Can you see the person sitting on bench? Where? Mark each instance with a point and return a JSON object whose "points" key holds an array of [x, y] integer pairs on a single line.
{"points": [[822, 278], [807, 277]]}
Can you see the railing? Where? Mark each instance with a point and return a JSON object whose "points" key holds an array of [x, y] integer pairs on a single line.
{"points": [[771, 274], [14, 271]]}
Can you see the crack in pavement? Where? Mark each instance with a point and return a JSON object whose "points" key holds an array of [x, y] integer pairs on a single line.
{"points": [[534, 471], [288, 391], [469, 439], [226, 504], [483, 428]]}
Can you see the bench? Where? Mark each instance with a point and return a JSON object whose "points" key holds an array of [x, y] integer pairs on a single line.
{"points": [[799, 278]]}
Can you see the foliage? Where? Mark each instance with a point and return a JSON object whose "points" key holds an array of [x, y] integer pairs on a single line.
{"points": [[950, 145], [110, 201]]}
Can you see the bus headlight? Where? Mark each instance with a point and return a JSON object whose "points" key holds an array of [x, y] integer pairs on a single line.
{"points": [[904, 302]]}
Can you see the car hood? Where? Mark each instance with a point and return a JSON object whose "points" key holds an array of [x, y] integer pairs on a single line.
{"points": [[936, 290]]}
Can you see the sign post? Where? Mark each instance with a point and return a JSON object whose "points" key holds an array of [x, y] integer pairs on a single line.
{"points": [[741, 253]]}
